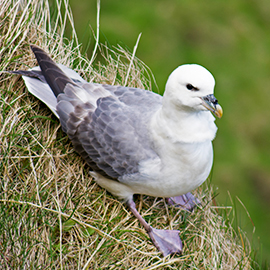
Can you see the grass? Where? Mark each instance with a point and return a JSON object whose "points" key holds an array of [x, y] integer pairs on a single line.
{"points": [[52, 214], [230, 38]]}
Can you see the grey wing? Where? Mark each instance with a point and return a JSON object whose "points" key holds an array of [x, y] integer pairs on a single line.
{"points": [[113, 135], [108, 125], [137, 99]]}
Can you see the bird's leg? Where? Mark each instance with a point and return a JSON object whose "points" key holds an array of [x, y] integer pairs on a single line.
{"points": [[186, 201], [166, 241]]}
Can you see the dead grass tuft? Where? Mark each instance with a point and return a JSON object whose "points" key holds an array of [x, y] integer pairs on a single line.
{"points": [[52, 214]]}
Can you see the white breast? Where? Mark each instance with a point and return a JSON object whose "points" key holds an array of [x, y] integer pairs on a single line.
{"points": [[185, 168], [185, 156]]}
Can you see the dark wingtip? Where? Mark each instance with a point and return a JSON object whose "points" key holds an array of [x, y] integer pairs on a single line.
{"points": [[54, 76], [35, 48], [37, 51]]}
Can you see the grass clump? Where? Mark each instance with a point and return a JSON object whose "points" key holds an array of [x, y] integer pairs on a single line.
{"points": [[52, 214]]}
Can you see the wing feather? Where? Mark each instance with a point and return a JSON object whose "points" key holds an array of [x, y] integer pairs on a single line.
{"points": [[108, 125], [110, 135]]}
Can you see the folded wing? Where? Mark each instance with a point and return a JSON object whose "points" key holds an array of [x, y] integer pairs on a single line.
{"points": [[108, 125]]}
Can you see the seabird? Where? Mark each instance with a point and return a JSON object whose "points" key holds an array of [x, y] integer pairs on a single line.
{"points": [[136, 141]]}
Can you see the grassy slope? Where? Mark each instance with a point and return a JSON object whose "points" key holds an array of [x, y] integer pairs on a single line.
{"points": [[230, 38], [52, 215]]}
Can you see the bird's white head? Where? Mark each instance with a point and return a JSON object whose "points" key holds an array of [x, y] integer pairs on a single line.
{"points": [[191, 88]]}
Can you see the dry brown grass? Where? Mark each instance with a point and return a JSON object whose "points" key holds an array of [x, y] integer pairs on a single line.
{"points": [[52, 214]]}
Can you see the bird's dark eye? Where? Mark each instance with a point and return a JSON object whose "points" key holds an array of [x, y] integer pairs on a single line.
{"points": [[189, 86]]}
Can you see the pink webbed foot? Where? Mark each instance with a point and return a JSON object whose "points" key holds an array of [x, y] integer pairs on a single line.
{"points": [[166, 241], [186, 201]]}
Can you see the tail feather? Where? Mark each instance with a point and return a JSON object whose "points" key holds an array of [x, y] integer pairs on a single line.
{"points": [[42, 91], [49, 79]]}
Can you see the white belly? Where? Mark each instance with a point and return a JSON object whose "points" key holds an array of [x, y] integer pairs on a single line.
{"points": [[186, 168]]}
